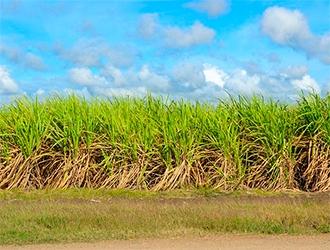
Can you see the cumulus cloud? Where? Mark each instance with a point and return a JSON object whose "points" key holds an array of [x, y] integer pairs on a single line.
{"points": [[121, 56], [40, 92], [196, 34], [78, 92], [189, 74], [27, 59], [7, 84], [326, 89], [209, 92], [280, 84], [241, 82], [115, 75], [196, 81], [212, 8], [34, 62], [324, 48], [290, 28], [152, 79], [290, 81], [94, 52], [174, 36], [10, 53], [111, 79], [285, 26], [148, 25], [85, 52], [306, 83], [298, 76], [85, 77], [139, 91], [215, 75], [296, 71]]}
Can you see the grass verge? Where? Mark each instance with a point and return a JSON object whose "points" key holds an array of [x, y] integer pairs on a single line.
{"points": [[88, 215]]}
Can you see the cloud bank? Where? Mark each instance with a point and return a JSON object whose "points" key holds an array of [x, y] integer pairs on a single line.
{"points": [[195, 81]]}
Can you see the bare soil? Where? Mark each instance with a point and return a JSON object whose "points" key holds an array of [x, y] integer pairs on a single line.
{"points": [[233, 242]]}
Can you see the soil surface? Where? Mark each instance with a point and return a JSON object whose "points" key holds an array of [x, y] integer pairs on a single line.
{"points": [[233, 242]]}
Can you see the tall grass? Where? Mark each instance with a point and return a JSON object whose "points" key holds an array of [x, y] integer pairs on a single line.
{"points": [[157, 144]]}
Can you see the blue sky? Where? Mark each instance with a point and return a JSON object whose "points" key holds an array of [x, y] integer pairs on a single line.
{"points": [[193, 49]]}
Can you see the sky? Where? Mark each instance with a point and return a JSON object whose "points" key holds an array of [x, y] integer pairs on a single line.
{"points": [[192, 49]]}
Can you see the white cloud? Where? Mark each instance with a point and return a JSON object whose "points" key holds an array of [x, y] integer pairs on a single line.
{"points": [[196, 34], [148, 25], [84, 53], [94, 52], [189, 74], [306, 83], [285, 26], [77, 92], [174, 36], [215, 75], [27, 59], [216, 81], [12, 54], [7, 84], [281, 84], [85, 77], [326, 89], [196, 81], [290, 28], [120, 92], [115, 75], [111, 79], [121, 56], [34, 62], [40, 92], [296, 71], [210, 93], [213, 8], [241, 82], [276, 84], [324, 48], [152, 79]]}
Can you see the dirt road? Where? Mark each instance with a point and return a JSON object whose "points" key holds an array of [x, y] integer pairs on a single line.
{"points": [[233, 242]]}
